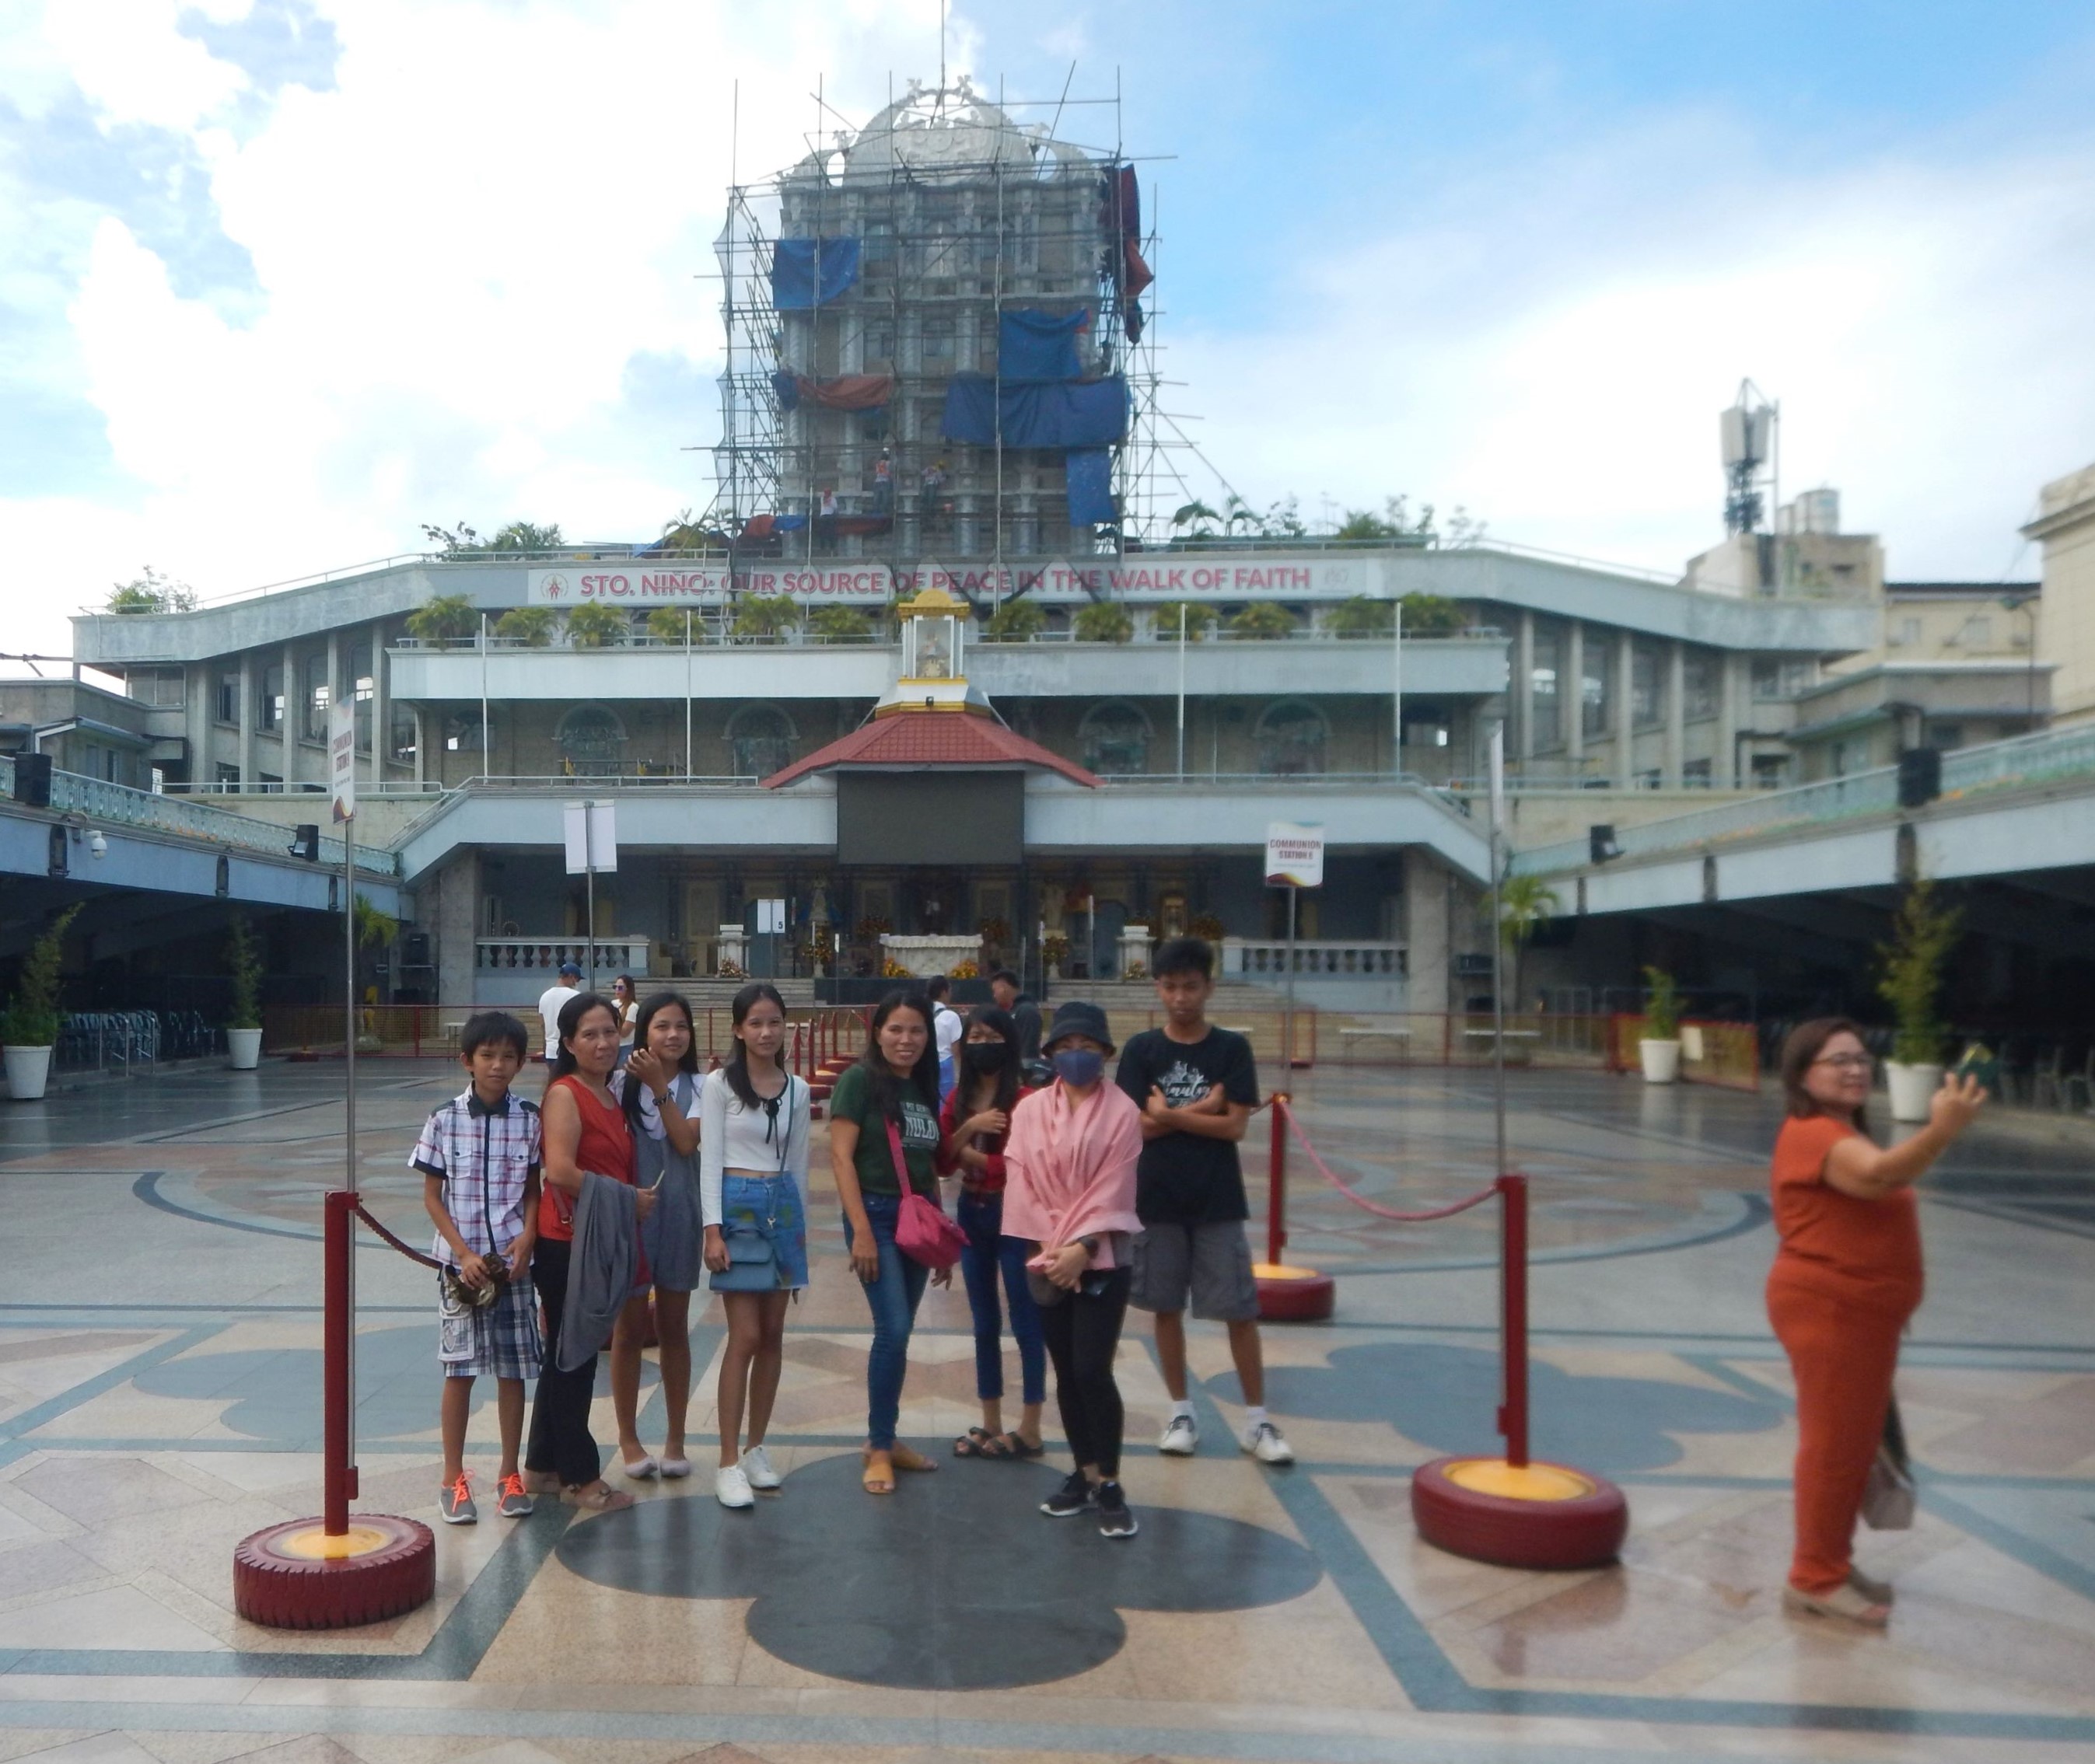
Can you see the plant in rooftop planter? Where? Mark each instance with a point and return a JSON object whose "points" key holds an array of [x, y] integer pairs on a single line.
{"points": [[1104, 621], [839, 625], [1362, 616], [1433, 615], [675, 624], [447, 618], [1659, 1047], [1015, 621], [1264, 618], [29, 1026], [1165, 621], [1910, 969], [532, 627], [595, 626], [765, 616], [243, 1028]]}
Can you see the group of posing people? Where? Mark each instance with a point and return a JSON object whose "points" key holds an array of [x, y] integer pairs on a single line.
{"points": [[1079, 1194]]}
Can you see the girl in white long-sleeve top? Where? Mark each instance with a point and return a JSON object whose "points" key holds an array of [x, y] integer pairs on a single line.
{"points": [[753, 1118]]}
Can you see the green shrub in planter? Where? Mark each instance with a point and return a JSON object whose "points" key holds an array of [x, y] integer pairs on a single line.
{"points": [[765, 615], [1164, 620], [1015, 621], [1104, 621], [1362, 616], [246, 952], [32, 1017], [839, 625], [595, 626], [1661, 1006], [1263, 618], [530, 626], [671, 624], [445, 620], [1923, 932]]}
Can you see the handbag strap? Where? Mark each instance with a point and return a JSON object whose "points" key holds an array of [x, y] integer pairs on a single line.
{"points": [[906, 1187]]}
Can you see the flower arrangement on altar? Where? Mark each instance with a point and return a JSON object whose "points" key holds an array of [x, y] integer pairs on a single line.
{"points": [[964, 971], [1054, 947], [996, 933], [1207, 927], [729, 969], [892, 970], [1135, 971]]}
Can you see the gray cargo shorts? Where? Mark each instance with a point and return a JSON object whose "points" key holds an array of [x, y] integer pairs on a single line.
{"points": [[1209, 1263]]}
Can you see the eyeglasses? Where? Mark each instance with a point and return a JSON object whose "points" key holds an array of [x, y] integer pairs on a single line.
{"points": [[1845, 1062]]}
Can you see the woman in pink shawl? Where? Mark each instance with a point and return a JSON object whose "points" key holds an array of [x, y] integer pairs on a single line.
{"points": [[1069, 1166]]}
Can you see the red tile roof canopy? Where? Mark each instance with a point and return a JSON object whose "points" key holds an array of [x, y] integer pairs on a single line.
{"points": [[918, 741]]}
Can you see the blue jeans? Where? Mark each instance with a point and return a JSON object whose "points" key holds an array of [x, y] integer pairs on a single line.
{"points": [[893, 1299], [988, 1251]]}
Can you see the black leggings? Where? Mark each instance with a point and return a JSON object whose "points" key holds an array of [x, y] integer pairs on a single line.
{"points": [[1081, 1333], [560, 1439]]}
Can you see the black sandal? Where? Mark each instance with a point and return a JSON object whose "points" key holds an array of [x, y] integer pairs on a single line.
{"points": [[979, 1442], [1015, 1447]]}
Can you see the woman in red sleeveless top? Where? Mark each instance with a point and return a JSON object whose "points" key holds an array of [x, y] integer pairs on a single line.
{"points": [[584, 1129]]}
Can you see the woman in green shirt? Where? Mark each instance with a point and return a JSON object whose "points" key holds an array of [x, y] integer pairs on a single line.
{"points": [[895, 1083]]}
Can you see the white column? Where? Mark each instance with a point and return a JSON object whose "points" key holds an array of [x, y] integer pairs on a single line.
{"points": [[1571, 694], [379, 741], [247, 779], [1724, 767], [294, 713], [198, 714], [1624, 684], [1524, 687]]}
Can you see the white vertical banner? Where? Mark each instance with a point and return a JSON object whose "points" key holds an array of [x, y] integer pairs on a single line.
{"points": [[589, 831], [1498, 778], [341, 759]]}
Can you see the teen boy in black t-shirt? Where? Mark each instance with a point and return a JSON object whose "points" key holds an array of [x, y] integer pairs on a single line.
{"points": [[1196, 1087]]}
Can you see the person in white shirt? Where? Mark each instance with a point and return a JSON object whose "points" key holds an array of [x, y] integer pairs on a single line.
{"points": [[550, 1001], [947, 1029], [753, 1117]]}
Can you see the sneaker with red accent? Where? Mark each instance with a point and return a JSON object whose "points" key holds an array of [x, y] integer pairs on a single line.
{"points": [[455, 1502], [516, 1502]]}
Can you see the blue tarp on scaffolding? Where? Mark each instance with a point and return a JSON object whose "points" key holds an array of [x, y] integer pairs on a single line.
{"points": [[1087, 412], [1033, 344], [1090, 487], [793, 271]]}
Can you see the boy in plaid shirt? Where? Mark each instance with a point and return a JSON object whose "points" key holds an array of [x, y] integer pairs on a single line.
{"points": [[480, 1154]]}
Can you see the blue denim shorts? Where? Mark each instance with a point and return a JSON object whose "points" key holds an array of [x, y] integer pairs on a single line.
{"points": [[770, 1205]]}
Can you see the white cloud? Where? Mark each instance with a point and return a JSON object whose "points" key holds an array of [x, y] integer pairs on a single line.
{"points": [[1552, 347], [128, 58]]}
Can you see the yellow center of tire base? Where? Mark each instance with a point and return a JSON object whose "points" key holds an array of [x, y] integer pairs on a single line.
{"points": [[1523, 1481], [1280, 1271], [314, 1544]]}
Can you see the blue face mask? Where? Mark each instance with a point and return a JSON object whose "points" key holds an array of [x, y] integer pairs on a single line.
{"points": [[1079, 1065]]}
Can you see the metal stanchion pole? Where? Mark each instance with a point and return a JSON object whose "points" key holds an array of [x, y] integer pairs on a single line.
{"points": [[1512, 1316], [1276, 1205]]}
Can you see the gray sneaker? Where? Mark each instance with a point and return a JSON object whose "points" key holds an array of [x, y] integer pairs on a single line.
{"points": [[455, 1502], [515, 1503]]}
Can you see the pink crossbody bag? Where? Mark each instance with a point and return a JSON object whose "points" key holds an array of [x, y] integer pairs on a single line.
{"points": [[922, 1232]]}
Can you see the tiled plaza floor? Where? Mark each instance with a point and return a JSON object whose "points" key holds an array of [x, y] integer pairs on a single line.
{"points": [[159, 1375]]}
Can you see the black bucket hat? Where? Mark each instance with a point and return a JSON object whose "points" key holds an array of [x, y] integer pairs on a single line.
{"points": [[1077, 1017]]}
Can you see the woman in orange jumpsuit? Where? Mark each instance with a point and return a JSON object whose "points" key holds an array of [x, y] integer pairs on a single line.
{"points": [[1846, 1277]]}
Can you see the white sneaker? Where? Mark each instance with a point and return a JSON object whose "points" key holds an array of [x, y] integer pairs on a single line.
{"points": [[756, 1466], [1180, 1436], [1265, 1443], [732, 1488]]}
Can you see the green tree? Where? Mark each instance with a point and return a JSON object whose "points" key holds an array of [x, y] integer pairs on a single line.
{"points": [[839, 625], [1662, 1005], [1362, 616], [32, 1017], [1199, 520], [532, 627], [595, 626], [671, 624], [1104, 621], [1433, 615], [243, 963], [765, 615], [444, 620], [149, 591], [374, 929], [1164, 620], [1525, 904], [1015, 621], [463, 541], [1911, 965], [1264, 618]]}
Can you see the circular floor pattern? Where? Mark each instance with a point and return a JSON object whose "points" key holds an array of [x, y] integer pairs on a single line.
{"points": [[956, 1582]]}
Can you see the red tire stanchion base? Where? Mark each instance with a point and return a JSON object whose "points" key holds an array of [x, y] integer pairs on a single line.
{"points": [[1534, 1515], [1293, 1295], [294, 1576]]}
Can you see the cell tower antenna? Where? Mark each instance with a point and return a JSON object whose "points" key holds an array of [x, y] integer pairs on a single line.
{"points": [[1747, 439]]}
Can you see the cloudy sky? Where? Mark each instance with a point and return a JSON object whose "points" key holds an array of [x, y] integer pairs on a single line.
{"points": [[283, 280]]}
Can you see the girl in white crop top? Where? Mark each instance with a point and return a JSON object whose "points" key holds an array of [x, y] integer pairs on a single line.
{"points": [[753, 1197]]}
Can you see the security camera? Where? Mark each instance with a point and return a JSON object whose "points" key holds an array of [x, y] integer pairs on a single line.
{"points": [[98, 844]]}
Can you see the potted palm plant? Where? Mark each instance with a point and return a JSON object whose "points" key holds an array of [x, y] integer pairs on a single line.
{"points": [[243, 1028], [1923, 932], [1659, 1047], [29, 1027]]}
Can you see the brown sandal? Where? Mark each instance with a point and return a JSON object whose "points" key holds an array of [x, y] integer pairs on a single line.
{"points": [[1845, 1602], [879, 1477]]}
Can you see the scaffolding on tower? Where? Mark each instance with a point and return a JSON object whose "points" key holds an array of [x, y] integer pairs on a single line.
{"points": [[942, 344]]}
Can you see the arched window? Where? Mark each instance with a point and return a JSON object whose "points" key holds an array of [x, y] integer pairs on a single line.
{"points": [[760, 738], [1291, 733], [592, 739], [1115, 739]]}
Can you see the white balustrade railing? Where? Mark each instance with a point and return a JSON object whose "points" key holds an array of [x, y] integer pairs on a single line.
{"points": [[1315, 957], [614, 955]]}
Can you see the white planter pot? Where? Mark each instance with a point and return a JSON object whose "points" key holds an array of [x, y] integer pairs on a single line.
{"points": [[245, 1045], [28, 1071], [1912, 1087], [1661, 1059]]}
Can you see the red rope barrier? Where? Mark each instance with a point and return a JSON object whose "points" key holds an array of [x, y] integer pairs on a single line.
{"points": [[413, 1255], [1360, 1200]]}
